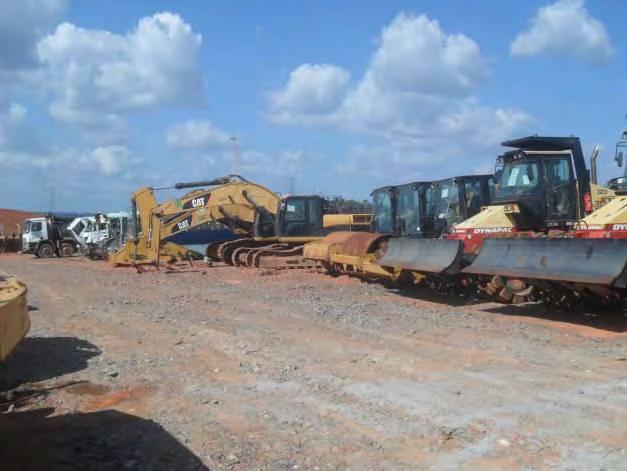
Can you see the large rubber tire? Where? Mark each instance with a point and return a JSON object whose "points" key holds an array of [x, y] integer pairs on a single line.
{"points": [[67, 250], [45, 251]]}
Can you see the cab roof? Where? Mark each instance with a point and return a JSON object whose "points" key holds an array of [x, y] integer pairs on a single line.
{"points": [[544, 143]]}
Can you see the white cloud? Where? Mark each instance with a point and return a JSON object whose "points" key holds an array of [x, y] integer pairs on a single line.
{"points": [[287, 163], [416, 56], [196, 135], [312, 89], [22, 23], [417, 96], [96, 76], [17, 113], [564, 27], [110, 160]]}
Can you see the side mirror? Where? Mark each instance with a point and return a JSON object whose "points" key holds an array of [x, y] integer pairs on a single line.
{"points": [[619, 158]]}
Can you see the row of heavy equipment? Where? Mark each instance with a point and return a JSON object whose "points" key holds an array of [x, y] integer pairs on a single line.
{"points": [[228, 219], [540, 228], [231, 220], [544, 231]]}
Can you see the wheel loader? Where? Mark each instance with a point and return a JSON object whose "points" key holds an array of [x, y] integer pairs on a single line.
{"points": [[14, 319], [413, 210], [524, 242]]}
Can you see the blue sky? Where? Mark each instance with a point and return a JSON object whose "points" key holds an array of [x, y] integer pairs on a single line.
{"points": [[97, 99]]}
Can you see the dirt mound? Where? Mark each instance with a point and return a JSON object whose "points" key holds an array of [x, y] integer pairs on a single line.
{"points": [[11, 220]]}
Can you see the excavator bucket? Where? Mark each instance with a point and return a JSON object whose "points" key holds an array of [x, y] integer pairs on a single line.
{"points": [[423, 255], [590, 261]]}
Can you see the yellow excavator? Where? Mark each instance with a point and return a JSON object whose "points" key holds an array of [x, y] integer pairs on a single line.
{"points": [[14, 319], [154, 227], [251, 225]]}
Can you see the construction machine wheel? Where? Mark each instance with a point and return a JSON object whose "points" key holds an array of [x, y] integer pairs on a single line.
{"points": [[45, 251], [506, 291], [67, 250]]}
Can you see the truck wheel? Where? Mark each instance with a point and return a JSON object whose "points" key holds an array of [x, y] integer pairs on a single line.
{"points": [[67, 250], [45, 251]]}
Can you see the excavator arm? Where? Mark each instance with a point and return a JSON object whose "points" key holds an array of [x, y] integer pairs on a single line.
{"points": [[228, 202]]}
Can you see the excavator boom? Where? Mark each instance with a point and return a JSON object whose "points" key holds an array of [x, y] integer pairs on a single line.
{"points": [[154, 225]]}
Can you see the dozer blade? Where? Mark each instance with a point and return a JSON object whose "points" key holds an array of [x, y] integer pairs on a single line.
{"points": [[592, 261], [423, 255]]}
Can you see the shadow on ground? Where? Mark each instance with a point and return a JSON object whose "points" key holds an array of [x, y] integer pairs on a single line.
{"points": [[41, 358], [107, 440], [612, 320]]}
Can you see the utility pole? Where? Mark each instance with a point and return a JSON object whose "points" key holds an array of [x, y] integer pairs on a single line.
{"points": [[234, 157], [292, 185], [52, 199]]}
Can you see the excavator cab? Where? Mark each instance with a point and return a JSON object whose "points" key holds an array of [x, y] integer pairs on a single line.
{"points": [[300, 216], [543, 182]]}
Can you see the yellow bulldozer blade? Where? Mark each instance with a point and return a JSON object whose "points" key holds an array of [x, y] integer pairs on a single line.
{"points": [[589, 261], [14, 319], [423, 255]]}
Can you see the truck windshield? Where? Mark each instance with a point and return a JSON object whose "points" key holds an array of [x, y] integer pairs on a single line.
{"points": [[408, 209], [27, 225], [382, 216], [446, 201], [519, 178]]}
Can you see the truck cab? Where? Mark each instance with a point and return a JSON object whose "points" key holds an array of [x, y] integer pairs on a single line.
{"points": [[47, 236], [35, 230]]}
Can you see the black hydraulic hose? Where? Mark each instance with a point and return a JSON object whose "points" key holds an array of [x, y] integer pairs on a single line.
{"points": [[256, 205], [236, 220], [214, 182], [135, 221]]}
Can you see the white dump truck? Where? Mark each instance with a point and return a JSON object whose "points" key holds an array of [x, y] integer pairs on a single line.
{"points": [[48, 236]]}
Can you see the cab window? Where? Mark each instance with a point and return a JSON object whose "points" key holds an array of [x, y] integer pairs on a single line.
{"points": [[474, 196], [408, 210], [303, 216], [519, 178], [559, 196], [36, 226], [557, 171], [382, 212]]}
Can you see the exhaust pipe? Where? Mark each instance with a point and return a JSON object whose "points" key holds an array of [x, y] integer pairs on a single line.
{"points": [[593, 164]]}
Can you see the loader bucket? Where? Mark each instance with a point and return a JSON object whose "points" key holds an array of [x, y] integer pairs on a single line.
{"points": [[14, 319], [423, 255], [591, 261]]}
